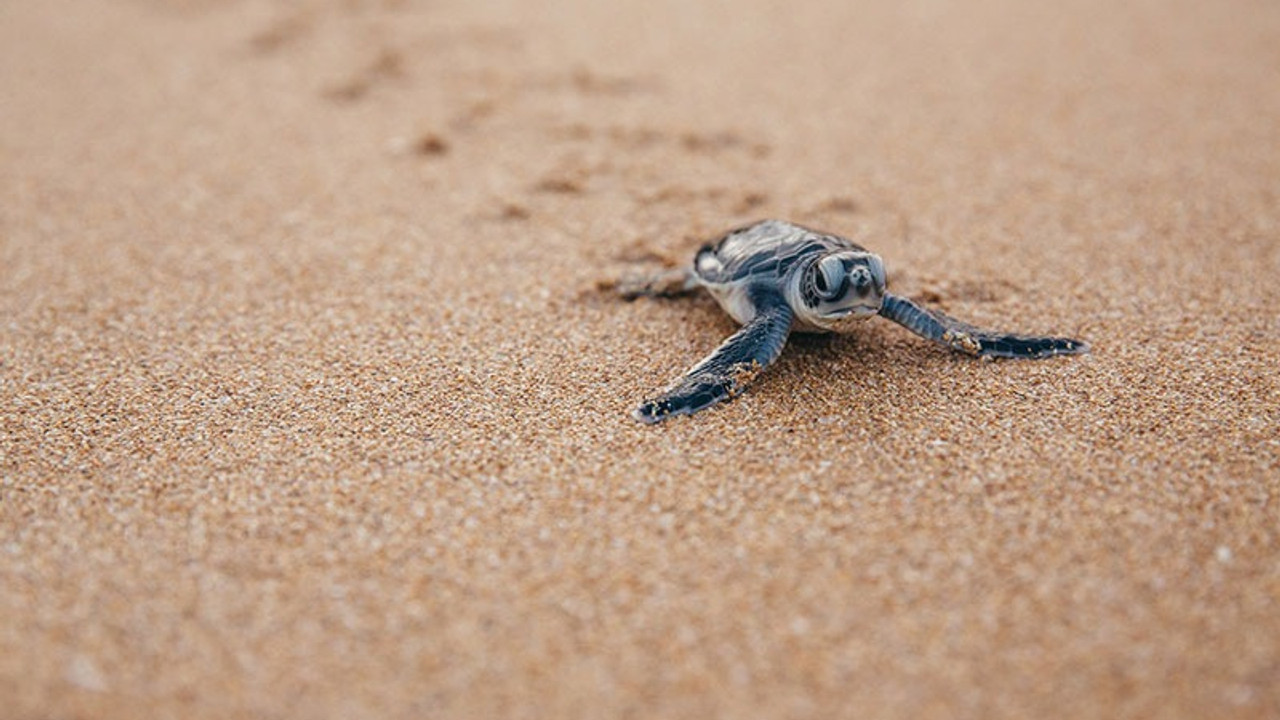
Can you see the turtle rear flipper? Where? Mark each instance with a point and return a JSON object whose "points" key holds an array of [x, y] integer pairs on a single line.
{"points": [[726, 372], [667, 283], [962, 337]]}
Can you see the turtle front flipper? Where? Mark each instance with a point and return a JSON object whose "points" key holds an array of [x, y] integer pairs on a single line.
{"points": [[726, 372], [962, 337]]}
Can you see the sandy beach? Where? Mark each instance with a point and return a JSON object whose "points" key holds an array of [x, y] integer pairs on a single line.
{"points": [[315, 403]]}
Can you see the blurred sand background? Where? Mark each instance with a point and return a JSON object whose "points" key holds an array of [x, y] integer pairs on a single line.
{"points": [[311, 404]]}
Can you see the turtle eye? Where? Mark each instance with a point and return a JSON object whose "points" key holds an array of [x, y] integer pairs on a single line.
{"points": [[827, 278]]}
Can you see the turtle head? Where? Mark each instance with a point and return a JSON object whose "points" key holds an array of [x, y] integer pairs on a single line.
{"points": [[840, 288]]}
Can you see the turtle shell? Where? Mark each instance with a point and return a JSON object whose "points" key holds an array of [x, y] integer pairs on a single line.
{"points": [[764, 251]]}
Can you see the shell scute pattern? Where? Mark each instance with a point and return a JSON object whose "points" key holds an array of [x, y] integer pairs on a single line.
{"points": [[765, 251]]}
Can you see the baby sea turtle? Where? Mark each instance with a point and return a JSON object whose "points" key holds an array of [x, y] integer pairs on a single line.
{"points": [[775, 277]]}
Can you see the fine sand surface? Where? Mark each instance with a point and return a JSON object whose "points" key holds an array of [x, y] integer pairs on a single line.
{"points": [[314, 404]]}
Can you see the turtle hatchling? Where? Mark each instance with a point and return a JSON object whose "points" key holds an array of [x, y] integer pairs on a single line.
{"points": [[775, 277]]}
